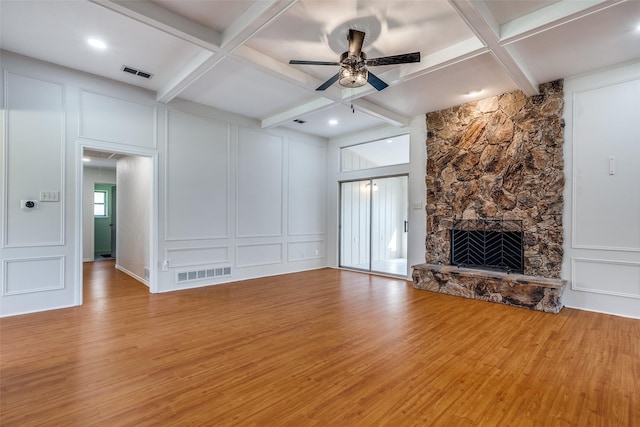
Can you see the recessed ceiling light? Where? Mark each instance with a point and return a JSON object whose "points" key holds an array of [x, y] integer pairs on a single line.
{"points": [[333, 122], [98, 44], [474, 92], [389, 141], [86, 159]]}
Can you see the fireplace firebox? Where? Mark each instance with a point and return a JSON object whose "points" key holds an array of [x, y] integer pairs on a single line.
{"points": [[486, 243]]}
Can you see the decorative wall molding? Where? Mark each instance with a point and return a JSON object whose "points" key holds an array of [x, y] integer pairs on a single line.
{"points": [[61, 188], [260, 253], [193, 256], [307, 246], [281, 202], [169, 235], [33, 270], [134, 137], [601, 262], [588, 145]]}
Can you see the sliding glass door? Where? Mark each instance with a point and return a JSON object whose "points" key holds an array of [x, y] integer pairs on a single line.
{"points": [[373, 225]]}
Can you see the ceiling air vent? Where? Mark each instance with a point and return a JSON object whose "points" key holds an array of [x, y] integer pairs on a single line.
{"points": [[135, 72]]}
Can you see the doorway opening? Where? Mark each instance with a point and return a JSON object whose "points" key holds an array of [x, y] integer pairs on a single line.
{"points": [[374, 225], [119, 221], [104, 221]]}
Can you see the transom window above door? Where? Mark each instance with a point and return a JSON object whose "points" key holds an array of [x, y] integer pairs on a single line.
{"points": [[383, 152]]}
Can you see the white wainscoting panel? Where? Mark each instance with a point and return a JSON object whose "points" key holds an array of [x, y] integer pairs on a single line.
{"points": [[259, 184], [106, 118], [606, 277], [204, 255], [251, 255], [309, 249], [307, 184], [27, 275], [34, 161], [606, 159], [197, 182]]}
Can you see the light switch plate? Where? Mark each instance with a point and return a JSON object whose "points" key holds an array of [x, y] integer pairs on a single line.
{"points": [[49, 196]]}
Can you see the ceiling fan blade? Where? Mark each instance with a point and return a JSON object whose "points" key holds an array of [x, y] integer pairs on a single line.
{"points": [[329, 82], [356, 38], [404, 58], [376, 82], [299, 62]]}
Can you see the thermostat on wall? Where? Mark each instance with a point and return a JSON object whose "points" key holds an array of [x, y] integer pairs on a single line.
{"points": [[28, 205]]}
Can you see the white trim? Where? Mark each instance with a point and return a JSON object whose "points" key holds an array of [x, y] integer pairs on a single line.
{"points": [[283, 205], [153, 107], [135, 276], [574, 261], [168, 251], [7, 261], [63, 147], [603, 248], [228, 125], [281, 261], [81, 144], [612, 313]]}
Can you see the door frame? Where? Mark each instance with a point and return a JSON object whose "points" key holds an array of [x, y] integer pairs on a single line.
{"points": [[81, 144], [370, 179]]}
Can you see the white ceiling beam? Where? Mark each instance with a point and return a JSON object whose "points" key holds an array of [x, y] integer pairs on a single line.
{"points": [[166, 21], [297, 111], [274, 67], [549, 17], [381, 113], [189, 73], [480, 20], [435, 61], [161, 19], [256, 17], [336, 94]]}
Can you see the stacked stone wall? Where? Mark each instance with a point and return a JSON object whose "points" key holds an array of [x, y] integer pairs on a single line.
{"points": [[499, 157]]}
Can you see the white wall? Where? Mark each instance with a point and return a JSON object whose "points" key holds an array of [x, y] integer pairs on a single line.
{"points": [[237, 196], [133, 215], [49, 113], [602, 207], [91, 177], [417, 190], [225, 193]]}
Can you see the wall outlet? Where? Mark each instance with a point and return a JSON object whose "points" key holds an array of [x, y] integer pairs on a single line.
{"points": [[28, 205]]}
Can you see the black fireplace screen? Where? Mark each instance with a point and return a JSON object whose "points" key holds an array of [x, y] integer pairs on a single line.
{"points": [[494, 244]]}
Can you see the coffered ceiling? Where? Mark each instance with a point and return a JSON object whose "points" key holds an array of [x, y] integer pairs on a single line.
{"points": [[233, 55]]}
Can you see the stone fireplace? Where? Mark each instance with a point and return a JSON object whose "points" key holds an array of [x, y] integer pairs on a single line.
{"points": [[498, 158]]}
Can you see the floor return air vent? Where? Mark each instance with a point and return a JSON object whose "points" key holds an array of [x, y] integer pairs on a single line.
{"points": [[209, 273]]}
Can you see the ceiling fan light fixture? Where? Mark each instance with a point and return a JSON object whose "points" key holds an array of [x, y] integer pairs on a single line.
{"points": [[353, 75]]}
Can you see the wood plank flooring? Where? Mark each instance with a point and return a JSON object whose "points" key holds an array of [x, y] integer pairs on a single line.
{"points": [[325, 347]]}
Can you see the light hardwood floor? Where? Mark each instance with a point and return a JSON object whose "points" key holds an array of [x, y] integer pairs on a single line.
{"points": [[326, 347]]}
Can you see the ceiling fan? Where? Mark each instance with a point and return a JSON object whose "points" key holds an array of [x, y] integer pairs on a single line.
{"points": [[353, 64]]}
